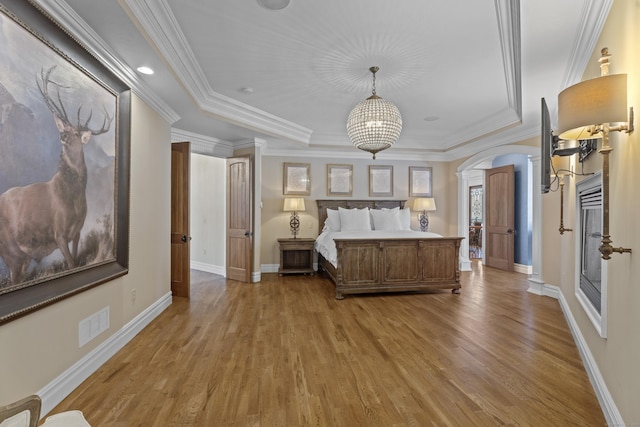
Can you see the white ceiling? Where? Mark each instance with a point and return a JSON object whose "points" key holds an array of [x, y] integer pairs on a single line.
{"points": [[230, 72]]}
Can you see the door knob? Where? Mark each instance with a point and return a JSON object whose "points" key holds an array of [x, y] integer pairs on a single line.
{"points": [[509, 231], [247, 233], [184, 239]]}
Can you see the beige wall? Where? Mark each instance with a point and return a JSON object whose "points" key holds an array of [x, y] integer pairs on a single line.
{"points": [[616, 356], [37, 348], [275, 222]]}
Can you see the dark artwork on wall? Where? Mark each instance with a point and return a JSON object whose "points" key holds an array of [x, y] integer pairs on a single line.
{"points": [[64, 139]]}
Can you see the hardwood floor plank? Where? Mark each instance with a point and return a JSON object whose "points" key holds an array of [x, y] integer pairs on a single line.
{"points": [[285, 352]]}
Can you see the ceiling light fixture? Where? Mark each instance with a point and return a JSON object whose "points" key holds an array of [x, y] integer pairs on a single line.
{"points": [[145, 70], [374, 124], [274, 4]]}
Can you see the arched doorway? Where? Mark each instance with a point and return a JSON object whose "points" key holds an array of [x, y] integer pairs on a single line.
{"points": [[467, 174]]}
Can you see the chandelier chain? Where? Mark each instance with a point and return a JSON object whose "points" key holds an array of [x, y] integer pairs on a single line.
{"points": [[373, 71]]}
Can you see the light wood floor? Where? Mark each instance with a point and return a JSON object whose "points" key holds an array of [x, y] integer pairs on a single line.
{"points": [[285, 352]]}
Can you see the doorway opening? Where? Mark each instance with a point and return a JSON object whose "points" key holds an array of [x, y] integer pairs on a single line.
{"points": [[471, 174], [476, 215]]}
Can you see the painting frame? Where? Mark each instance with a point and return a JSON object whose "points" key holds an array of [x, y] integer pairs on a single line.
{"points": [[296, 179], [339, 180], [380, 181], [420, 181], [25, 298]]}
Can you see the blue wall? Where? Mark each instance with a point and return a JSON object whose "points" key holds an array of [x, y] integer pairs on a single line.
{"points": [[523, 217]]}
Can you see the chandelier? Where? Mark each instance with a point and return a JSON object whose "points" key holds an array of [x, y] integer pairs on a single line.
{"points": [[374, 124]]}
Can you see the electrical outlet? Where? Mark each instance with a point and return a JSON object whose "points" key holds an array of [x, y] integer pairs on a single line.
{"points": [[133, 295]]}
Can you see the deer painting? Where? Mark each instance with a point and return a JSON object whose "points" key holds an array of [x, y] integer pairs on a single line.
{"points": [[39, 218]]}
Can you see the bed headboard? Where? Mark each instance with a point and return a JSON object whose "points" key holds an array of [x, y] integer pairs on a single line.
{"points": [[323, 205]]}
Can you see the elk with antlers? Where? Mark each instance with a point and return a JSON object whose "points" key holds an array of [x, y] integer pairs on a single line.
{"points": [[39, 218]]}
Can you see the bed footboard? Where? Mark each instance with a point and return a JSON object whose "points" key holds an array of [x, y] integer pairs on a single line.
{"points": [[393, 265]]}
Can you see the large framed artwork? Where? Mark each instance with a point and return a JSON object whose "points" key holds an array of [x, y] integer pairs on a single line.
{"points": [[64, 168], [420, 181]]}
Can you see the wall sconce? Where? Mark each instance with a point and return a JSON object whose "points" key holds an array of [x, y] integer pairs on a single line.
{"points": [[424, 204], [585, 111], [294, 205], [561, 166]]}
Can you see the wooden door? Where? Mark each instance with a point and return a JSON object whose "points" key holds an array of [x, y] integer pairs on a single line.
{"points": [[499, 221], [180, 254], [239, 219]]}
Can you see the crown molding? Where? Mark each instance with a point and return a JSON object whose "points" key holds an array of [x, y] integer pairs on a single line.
{"points": [[592, 19], [66, 17], [352, 153], [250, 143], [202, 144], [489, 125], [508, 14], [162, 28]]}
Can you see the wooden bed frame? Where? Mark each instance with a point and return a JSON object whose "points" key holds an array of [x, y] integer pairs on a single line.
{"points": [[390, 265]]}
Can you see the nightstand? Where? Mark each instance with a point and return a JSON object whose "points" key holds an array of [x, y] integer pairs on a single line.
{"points": [[296, 256]]}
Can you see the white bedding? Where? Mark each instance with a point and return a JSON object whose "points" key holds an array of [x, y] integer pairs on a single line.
{"points": [[327, 247]]}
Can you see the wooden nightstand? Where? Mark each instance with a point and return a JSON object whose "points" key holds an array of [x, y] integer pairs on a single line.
{"points": [[296, 256]]}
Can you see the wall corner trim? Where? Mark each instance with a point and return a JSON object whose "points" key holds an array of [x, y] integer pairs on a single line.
{"points": [[55, 392]]}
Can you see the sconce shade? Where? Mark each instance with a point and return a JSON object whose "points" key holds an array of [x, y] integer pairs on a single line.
{"points": [[592, 102], [294, 204], [424, 204]]}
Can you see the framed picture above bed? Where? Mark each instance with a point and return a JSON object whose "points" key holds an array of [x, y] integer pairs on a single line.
{"points": [[296, 180], [380, 181], [420, 181], [339, 180]]}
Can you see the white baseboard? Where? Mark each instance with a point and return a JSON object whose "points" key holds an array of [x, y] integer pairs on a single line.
{"points": [[209, 268], [607, 404], [269, 268], [55, 392], [273, 268], [464, 264], [524, 269], [221, 270]]}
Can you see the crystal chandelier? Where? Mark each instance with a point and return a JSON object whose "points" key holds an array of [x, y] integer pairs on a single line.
{"points": [[374, 124]]}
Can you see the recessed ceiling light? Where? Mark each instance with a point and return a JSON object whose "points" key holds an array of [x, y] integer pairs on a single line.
{"points": [[145, 70], [431, 118], [246, 89], [274, 4]]}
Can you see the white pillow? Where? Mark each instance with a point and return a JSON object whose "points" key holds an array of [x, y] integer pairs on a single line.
{"points": [[405, 218], [354, 219], [386, 219], [332, 223]]}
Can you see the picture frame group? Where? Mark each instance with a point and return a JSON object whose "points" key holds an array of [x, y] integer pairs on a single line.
{"points": [[339, 178]]}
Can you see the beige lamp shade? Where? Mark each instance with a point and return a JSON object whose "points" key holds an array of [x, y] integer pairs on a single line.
{"points": [[424, 204], [592, 102], [294, 204]]}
